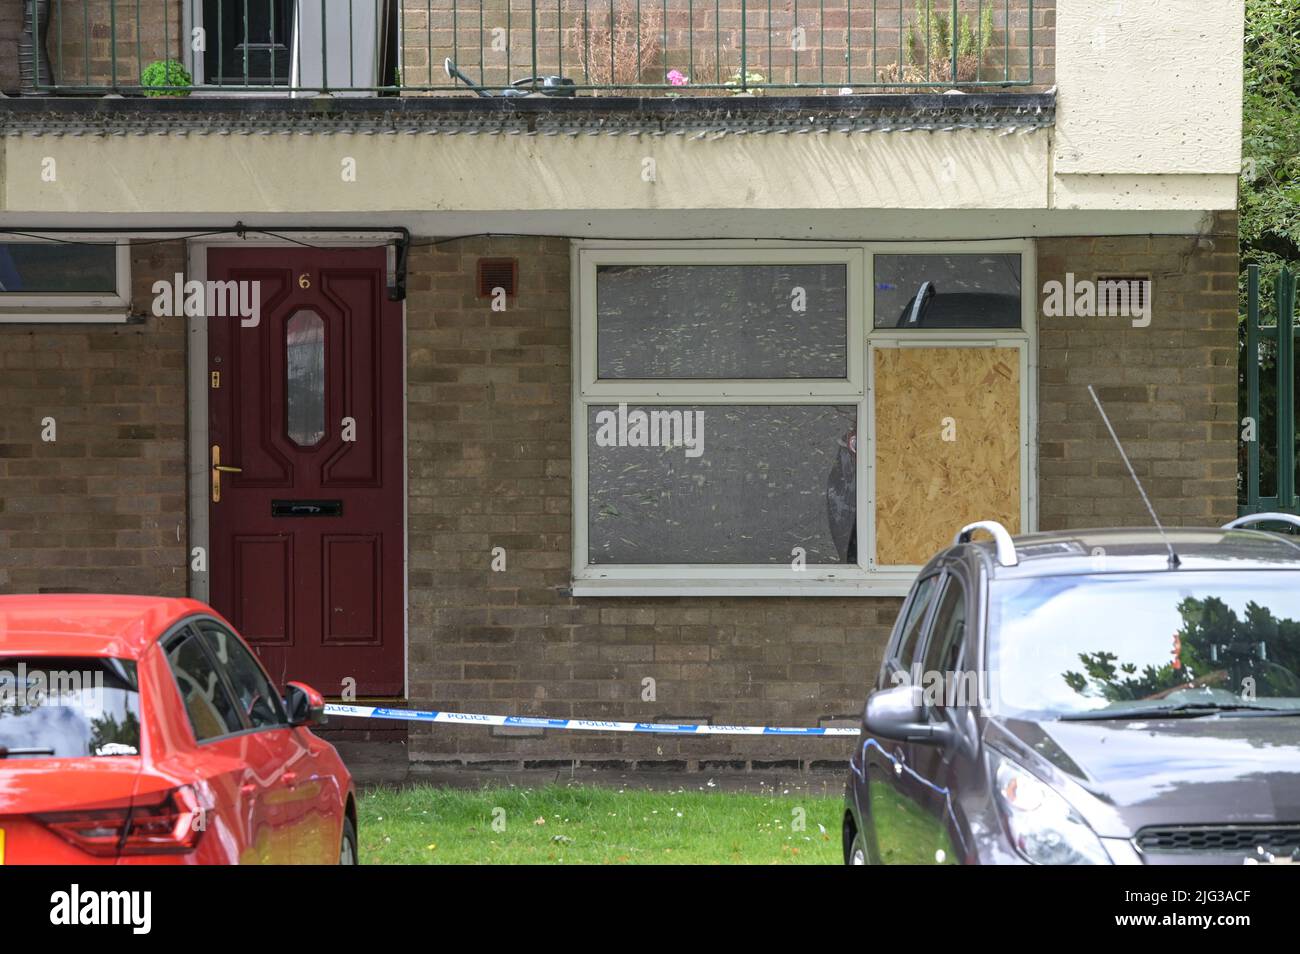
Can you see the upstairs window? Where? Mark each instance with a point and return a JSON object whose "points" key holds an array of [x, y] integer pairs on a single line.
{"points": [[248, 42], [269, 45]]}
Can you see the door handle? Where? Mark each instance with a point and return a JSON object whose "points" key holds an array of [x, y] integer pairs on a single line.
{"points": [[218, 469]]}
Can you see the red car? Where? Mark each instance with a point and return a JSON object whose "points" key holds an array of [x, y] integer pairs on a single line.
{"points": [[140, 730]]}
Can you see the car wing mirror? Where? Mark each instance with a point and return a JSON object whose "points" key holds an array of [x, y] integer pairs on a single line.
{"points": [[304, 704], [897, 714]]}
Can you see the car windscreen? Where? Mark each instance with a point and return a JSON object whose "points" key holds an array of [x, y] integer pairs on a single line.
{"points": [[1110, 644], [68, 707]]}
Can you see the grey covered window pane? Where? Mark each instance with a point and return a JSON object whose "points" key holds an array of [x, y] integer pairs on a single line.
{"points": [[57, 268], [721, 321], [747, 484], [948, 291], [305, 387]]}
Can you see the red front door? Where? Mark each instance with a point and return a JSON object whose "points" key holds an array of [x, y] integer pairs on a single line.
{"points": [[305, 408]]}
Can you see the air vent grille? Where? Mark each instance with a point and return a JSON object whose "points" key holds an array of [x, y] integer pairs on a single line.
{"points": [[494, 273]]}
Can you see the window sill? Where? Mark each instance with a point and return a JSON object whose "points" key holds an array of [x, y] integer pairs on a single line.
{"points": [[892, 583], [69, 317]]}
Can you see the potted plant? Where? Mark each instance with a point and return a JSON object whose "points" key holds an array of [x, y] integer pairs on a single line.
{"points": [[931, 36], [748, 83], [166, 78]]}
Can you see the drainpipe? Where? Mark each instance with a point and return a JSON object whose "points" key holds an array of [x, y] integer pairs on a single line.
{"points": [[33, 55]]}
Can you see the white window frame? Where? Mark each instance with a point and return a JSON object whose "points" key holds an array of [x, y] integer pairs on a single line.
{"points": [[864, 578], [56, 308]]}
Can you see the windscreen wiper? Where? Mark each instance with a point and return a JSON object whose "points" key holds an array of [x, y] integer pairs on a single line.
{"points": [[1187, 710], [5, 751]]}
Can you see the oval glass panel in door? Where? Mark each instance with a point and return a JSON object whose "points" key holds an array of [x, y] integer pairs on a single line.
{"points": [[305, 383]]}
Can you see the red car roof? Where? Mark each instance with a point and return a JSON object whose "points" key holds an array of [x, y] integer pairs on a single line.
{"points": [[75, 624]]}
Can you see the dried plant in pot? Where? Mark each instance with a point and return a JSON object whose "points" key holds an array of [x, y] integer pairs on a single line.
{"points": [[931, 35], [619, 48]]}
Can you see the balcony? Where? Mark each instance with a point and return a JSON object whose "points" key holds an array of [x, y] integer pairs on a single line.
{"points": [[566, 48]]}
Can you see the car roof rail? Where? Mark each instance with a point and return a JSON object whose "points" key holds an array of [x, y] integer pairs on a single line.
{"points": [[1006, 548], [1252, 518]]}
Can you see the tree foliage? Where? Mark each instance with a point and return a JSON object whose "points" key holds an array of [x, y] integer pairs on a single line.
{"points": [[1270, 179], [1213, 649], [1269, 196]]}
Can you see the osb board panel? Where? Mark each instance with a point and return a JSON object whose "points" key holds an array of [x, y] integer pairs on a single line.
{"points": [[928, 487]]}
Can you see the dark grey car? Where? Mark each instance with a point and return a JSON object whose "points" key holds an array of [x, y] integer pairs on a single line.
{"points": [[1093, 697]]}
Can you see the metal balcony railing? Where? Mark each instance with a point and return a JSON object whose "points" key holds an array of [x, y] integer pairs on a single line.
{"points": [[557, 47]]}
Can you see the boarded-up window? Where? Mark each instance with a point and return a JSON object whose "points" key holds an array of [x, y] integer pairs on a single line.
{"points": [[948, 446]]}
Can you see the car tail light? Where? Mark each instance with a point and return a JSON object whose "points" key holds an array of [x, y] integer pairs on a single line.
{"points": [[169, 824]]}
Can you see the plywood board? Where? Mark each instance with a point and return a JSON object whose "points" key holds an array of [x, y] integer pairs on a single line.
{"points": [[928, 487]]}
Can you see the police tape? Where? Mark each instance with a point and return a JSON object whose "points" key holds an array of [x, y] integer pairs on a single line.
{"points": [[588, 725]]}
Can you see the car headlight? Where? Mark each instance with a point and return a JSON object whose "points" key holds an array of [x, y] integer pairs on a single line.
{"points": [[1043, 826]]}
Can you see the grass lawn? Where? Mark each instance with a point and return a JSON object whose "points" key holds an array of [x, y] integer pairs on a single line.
{"points": [[559, 824]]}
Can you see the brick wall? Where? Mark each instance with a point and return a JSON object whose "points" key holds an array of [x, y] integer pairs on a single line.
{"points": [[85, 34], [1170, 388], [103, 507], [11, 26]]}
